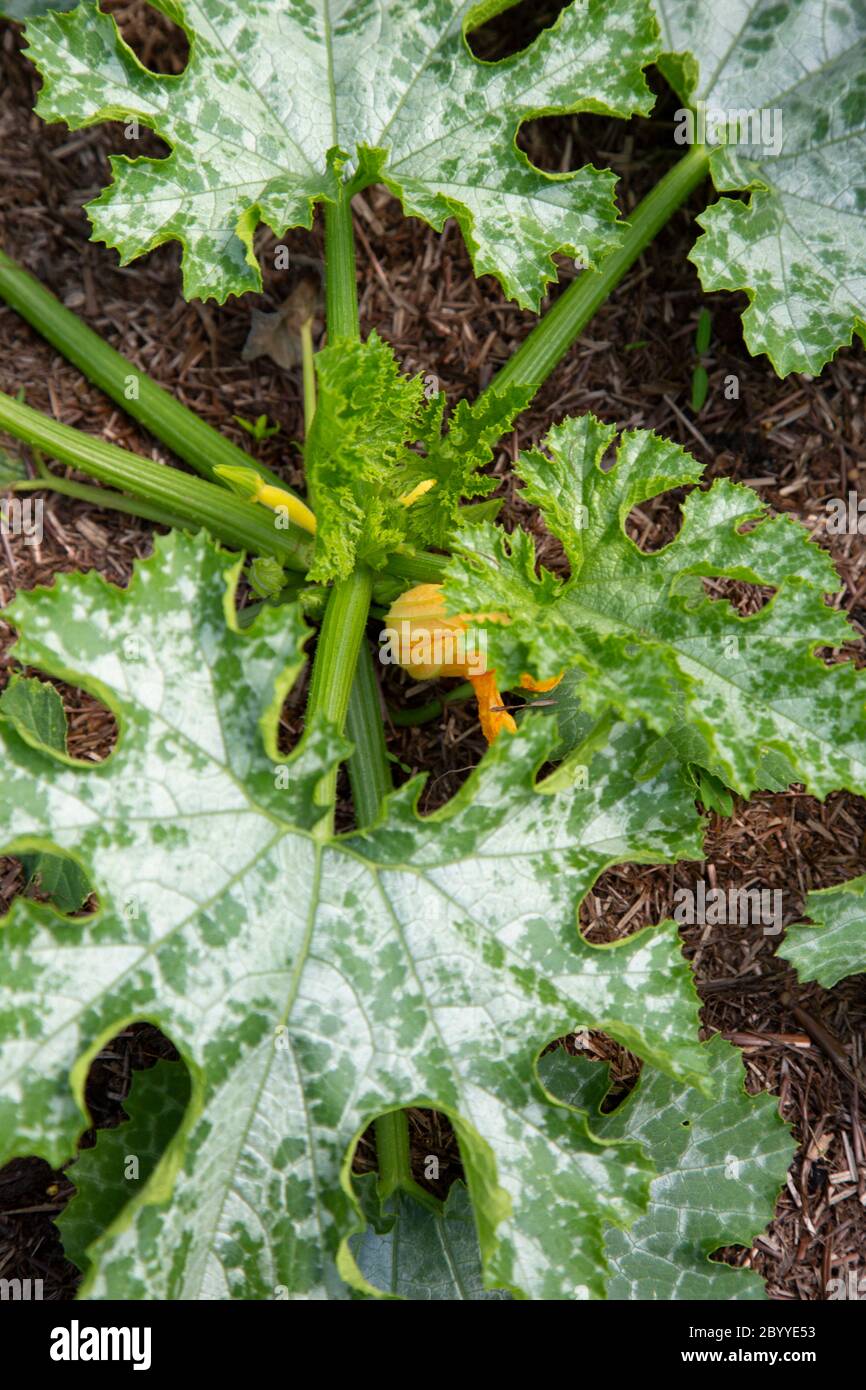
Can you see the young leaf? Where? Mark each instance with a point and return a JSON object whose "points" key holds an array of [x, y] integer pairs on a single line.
{"points": [[720, 1161], [648, 639], [835, 946], [311, 984], [372, 494], [411, 1252], [797, 246], [111, 1174], [283, 99]]}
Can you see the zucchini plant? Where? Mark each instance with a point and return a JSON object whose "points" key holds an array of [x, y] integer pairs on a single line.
{"points": [[316, 982]]}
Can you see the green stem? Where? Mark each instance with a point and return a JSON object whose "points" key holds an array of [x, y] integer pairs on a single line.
{"points": [[240, 524], [340, 639], [421, 568], [190, 437], [308, 361], [423, 714], [102, 497], [554, 334], [369, 769], [394, 1161], [341, 293]]}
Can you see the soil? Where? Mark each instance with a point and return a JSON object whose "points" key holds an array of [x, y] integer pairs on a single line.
{"points": [[798, 442]]}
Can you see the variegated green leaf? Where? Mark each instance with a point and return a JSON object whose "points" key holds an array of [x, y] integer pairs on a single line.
{"points": [[412, 1252], [797, 246], [26, 9], [311, 983], [647, 637], [721, 1162], [282, 100], [835, 945]]}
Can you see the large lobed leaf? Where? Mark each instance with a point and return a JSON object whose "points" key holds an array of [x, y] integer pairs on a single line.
{"points": [[797, 246], [835, 945], [312, 983], [283, 99], [641, 628]]}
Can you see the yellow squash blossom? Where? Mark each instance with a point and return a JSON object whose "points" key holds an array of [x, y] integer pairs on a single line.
{"points": [[418, 616], [429, 643], [250, 484]]}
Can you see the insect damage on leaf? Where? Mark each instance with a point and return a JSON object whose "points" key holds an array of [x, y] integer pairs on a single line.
{"points": [[640, 627], [282, 100], [310, 984]]}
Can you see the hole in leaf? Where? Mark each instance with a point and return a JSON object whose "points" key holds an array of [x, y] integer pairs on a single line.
{"points": [[514, 29], [158, 43], [745, 598], [47, 877], [433, 1151], [421, 1241], [32, 1194], [656, 522], [618, 1071], [58, 717], [137, 1073], [625, 899]]}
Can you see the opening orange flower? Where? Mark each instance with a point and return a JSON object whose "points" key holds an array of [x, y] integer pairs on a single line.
{"points": [[424, 640]]}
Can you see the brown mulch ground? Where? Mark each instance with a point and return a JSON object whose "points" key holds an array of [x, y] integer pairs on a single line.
{"points": [[797, 442]]}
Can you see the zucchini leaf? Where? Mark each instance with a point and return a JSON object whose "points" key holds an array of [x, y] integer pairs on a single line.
{"points": [[284, 100], [721, 1161], [412, 1252], [312, 983], [797, 245], [835, 945], [648, 639]]}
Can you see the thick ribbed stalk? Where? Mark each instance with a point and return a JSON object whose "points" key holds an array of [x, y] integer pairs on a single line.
{"points": [[554, 334], [238, 523], [340, 638], [105, 497], [342, 633], [393, 1160], [369, 769], [184, 432], [341, 294]]}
